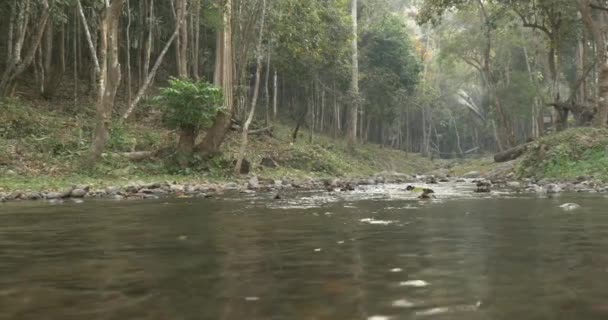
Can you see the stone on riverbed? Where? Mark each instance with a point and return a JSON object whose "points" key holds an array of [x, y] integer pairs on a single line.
{"points": [[570, 206], [253, 183], [31, 196], [78, 193], [553, 188], [53, 195], [112, 190]]}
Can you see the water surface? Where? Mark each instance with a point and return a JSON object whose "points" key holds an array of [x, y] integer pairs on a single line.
{"points": [[377, 253]]}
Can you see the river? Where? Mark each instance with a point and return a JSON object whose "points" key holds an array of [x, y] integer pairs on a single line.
{"points": [[376, 253]]}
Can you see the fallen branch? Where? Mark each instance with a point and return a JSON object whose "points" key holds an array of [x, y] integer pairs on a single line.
{"points": [[267, 130], [137, 156], [512, 154]]}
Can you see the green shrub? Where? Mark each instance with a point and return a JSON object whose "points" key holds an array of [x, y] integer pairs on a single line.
{"points": [[187, 103]]}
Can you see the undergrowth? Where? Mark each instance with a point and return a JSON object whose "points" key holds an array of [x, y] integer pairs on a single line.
{"points": [[45, 148]]}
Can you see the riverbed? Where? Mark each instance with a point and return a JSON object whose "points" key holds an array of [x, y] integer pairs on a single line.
{"points": [[375, 253]]}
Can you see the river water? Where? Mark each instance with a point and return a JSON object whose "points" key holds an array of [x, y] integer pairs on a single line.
{"points": [[377, 253]]}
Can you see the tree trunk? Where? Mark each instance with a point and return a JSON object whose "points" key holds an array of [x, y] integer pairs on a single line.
{"points": [[185, 146], [275, 94], [128, 51], [266, 85], [182, 40], [351, 123], [223, 77], [256, 90], [109, 78], [595, 29], [150, 76], [19, 64]]}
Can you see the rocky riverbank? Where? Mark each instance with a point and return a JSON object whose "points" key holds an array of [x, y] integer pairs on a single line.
{"points": [[139, 190]]}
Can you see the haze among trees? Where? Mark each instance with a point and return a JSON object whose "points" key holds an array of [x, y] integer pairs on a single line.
{"points": [[438, 77]]}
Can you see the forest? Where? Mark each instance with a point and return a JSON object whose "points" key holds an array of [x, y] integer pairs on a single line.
{"points": [[442, 78]]}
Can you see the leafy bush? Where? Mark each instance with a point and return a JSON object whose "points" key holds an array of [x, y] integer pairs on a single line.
{"points": [[190, 104]]}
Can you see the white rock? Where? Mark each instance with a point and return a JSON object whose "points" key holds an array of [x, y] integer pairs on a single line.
{"points": [[402, 303], [414, 283], [432, 312], [570, 206]]}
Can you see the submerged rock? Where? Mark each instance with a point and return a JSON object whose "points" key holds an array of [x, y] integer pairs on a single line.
{"points": [[570, 206]]}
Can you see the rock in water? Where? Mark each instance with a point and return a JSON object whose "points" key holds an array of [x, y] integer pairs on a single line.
{"points": [[570, 206], [78, 193], [553, 188], [53, 195], [483, 187], [253, 183]]}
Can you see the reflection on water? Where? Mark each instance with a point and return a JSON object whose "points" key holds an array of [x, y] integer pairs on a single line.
{"points": [[373, 254]]}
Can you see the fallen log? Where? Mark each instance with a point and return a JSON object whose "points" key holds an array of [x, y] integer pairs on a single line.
{"points": [[267, 130], [137, 156], [512, 153]]}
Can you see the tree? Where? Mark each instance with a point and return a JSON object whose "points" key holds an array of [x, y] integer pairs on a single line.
{"points": [[109, 76], [223, 78], [189, 107], [17, 63], [351, 123], [595, 28], [256, 90]]}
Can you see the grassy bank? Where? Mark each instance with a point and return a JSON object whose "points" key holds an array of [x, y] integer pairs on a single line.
{"points": [[42, 147], [580, 152]]}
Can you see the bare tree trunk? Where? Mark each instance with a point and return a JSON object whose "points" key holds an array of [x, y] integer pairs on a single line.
{"points": [[75, 54], [185, 146], [149, 78], [275, 94], [11, 33], [128, 51], [196, 20], [224, 76], [87, 33], [18, 64], [267, 84], [109, 78], [595, 28], [256, 89], [351, 123], [148, 43], [182, 40]]}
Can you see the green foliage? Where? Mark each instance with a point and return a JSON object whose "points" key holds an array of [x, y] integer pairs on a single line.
{"points": [[188, 104], [568, 155], [390, 69]]}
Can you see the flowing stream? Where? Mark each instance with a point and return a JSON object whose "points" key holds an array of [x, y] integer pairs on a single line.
{"points": [[376, 253]]}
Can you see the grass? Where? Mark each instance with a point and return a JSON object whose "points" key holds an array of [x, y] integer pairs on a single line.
{"points": [[43, 149], [580, 152]]}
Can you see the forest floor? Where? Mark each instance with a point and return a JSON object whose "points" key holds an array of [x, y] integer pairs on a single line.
{"points": [[42, 148]]}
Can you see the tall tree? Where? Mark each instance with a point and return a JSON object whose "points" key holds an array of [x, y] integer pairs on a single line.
{"points": [[223, 78], [109, 76], [596, 27], [353, 110]]}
